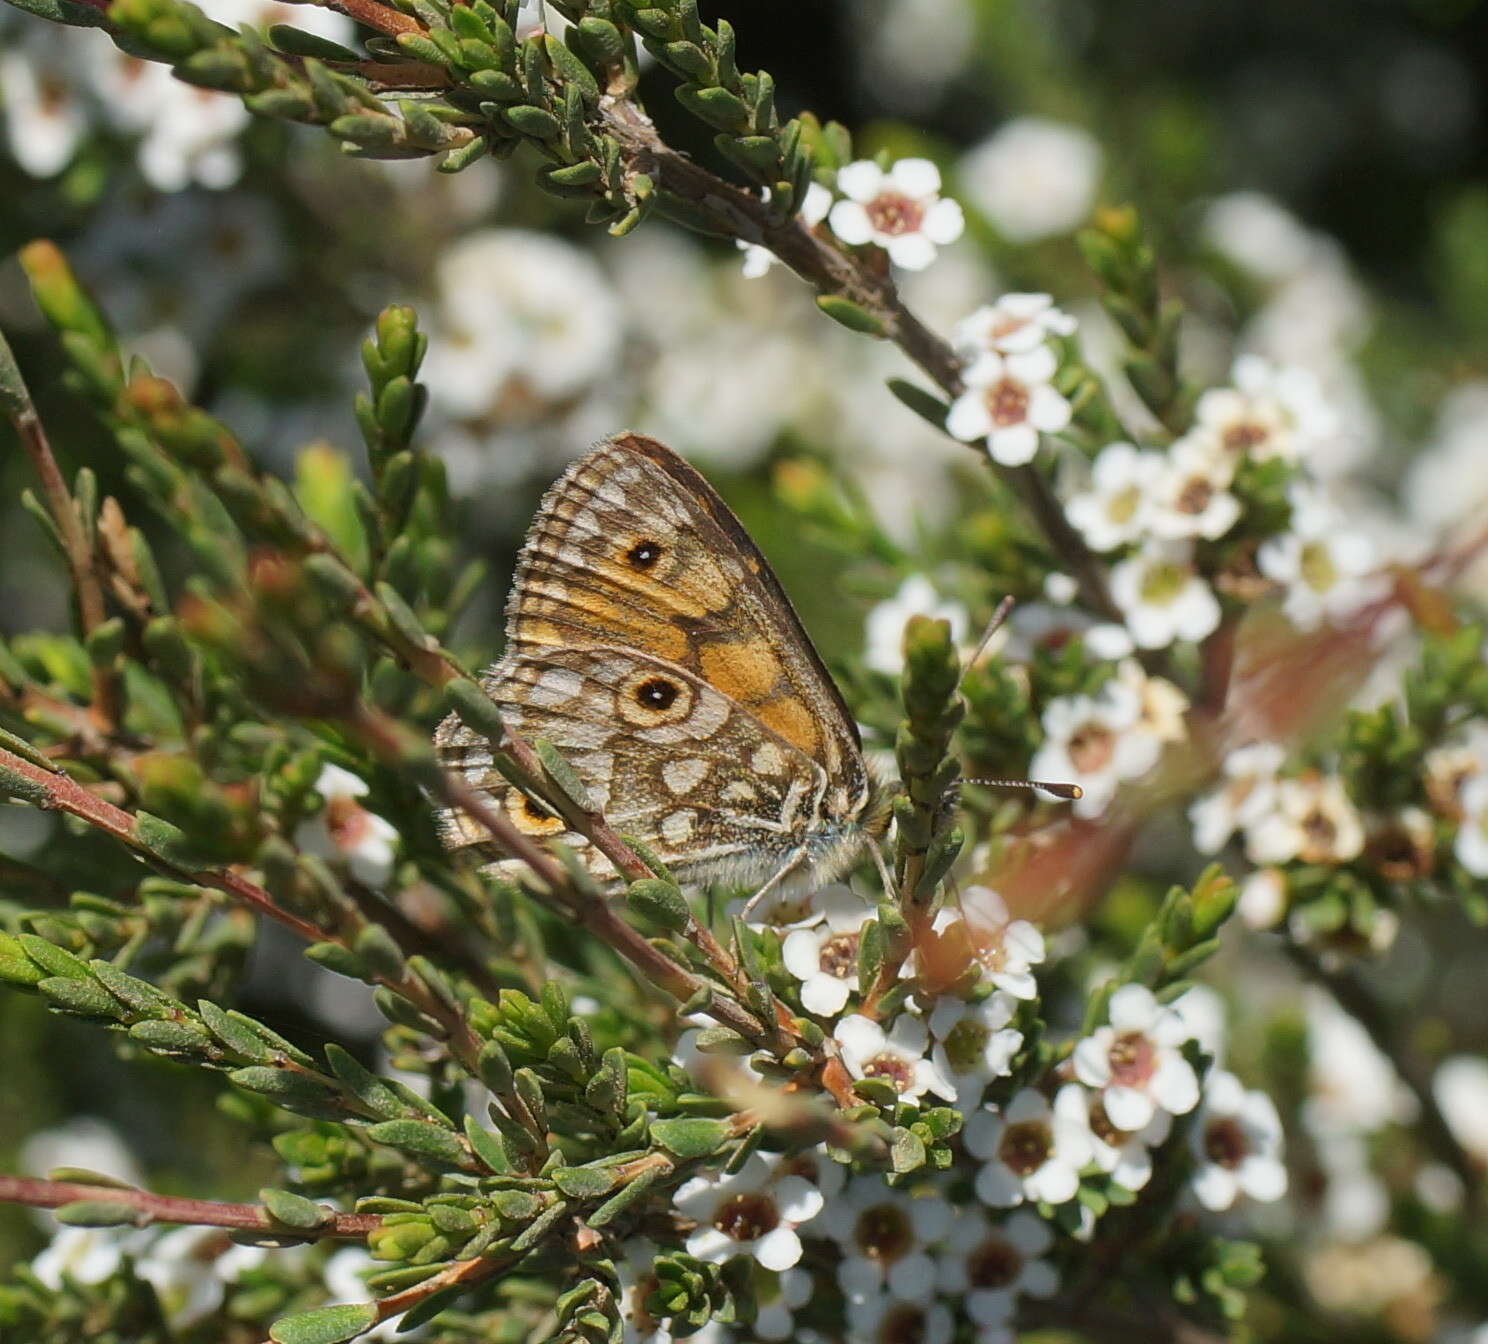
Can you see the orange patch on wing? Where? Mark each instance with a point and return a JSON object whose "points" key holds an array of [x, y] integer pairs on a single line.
{"points": [[746, 671], [528, 818], [793, 720], [615, 621]]}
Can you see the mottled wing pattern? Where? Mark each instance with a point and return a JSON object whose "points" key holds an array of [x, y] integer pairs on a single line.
{"points": [[696, 777], [649, 640], [632, 548]]}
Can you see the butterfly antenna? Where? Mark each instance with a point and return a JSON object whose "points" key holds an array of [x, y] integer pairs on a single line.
{"points": [[999, 619], [1068, 792]]}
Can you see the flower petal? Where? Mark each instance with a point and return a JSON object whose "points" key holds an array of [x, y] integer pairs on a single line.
{"points": [[850, 222]]}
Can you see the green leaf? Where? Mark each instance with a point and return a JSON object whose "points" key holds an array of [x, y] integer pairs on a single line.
{"points": [[907, 1151], [293, 1091], [294, 1210], [82, 998], [325, 1325], [851, 315], [487, 1146], [585, 1182], [660, 902], [421, 1139], [690, 1137], [100, 1213]]}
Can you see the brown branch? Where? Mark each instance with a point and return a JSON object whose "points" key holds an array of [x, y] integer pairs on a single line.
{"points": [[170, 1209], [388, 21], [86, 583], [56, 791], [830, 271]]}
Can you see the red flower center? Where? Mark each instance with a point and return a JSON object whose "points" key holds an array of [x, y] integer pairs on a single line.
{"points": [[1007, 402], [747, 1217], [1133, 1059], [994, 1264], [1225, 1143], [1026, 1147], [883, 1232], [893, 213]]}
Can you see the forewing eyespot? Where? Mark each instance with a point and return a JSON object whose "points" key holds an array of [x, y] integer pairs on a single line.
{"points": [[657, 694], [644, 554]]}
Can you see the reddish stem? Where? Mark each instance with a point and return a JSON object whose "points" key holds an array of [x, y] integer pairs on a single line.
{"points": [[170, 1209]]}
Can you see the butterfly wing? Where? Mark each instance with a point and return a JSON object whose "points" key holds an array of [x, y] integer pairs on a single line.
{"points": [[665, 756], [635, 569], [632, 548]]}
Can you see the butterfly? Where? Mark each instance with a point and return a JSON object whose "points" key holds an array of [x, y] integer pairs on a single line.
{"points": [[650, 642]]}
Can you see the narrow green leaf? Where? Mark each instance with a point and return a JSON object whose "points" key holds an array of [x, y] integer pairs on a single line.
{"points": [[325, 1325]]}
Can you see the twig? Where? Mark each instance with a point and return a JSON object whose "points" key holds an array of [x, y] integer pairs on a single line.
{"points": [[57, 791], [830, 271], [21, 411], [170, 1209]]}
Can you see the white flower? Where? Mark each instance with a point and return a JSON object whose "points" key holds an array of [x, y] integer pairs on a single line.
{"points": [[1263, 898], [1460, 1087], [1192, 497], [85, 1142], [1203, 1014], [1137, 1061], [886, 622], [1354, 1087], [522, 317], [345, 1281], [1096, 742], [778, 1296], [1016, 322], [1257, 233], [824, 957], [1312, 819], [1247, 794], [191, 139], [885, 1319], [989, 1265], [781, 908], [902, 211], [884, 1234], [897, 1056], [1161, 706], [1116, 508], [83, 1254], [179, 1265], [344, 829], [1009, 401], [1037, 625], [1324, 567], [754, 1212], [1236, 1141], [1471, 844], [44, 115], [1033, 178], [1450, 767], [1268, 413], [1124, 1155], [1030, 1152], [1005, 948], [1161, 596], [757, 259], [974, 1043]]}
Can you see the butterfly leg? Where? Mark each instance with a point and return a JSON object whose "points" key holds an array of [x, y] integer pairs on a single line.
{"points": [[780, 873], [885, 873]]}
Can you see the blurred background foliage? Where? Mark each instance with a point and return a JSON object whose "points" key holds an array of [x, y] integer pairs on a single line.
{"points": [[1315, 176]]}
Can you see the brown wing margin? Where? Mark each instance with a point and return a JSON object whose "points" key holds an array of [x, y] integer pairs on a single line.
{"points": [[712, 503]]}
